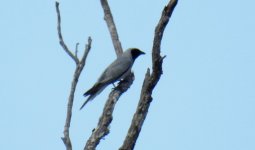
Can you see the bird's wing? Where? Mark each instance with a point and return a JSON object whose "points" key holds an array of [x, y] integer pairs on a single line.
{"points": [[115, 70], [112, 73]]}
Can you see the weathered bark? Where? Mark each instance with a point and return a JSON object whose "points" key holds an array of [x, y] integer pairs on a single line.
{"points": [[80, 63], [111, 27], [150, 80], [102, 128], [105, 120]]}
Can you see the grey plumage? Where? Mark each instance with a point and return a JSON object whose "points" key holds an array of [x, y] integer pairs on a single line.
{"points": [[117, 70]]}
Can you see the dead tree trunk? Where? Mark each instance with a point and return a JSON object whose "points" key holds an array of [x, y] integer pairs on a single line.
{"points": [[150, 81]]}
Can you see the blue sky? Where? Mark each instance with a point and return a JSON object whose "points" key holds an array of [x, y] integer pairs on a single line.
{"points": [[204, 100]]}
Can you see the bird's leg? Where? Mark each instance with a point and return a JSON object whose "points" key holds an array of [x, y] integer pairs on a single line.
{"points": [[113, 86]]}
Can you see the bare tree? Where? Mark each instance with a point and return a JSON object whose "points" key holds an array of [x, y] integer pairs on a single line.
{"points": [[150, 81]]}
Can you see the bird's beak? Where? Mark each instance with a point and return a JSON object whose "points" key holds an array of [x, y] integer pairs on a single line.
{"points": [[143, 53]]}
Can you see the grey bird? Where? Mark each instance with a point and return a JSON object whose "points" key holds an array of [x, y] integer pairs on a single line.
{"points": [[117, 70]]}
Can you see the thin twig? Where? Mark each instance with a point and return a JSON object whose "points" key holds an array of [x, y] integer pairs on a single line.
{"points": [[150, 80], [86, 52], [61, 40], [76, 49], [111, 27], [79, 67]]}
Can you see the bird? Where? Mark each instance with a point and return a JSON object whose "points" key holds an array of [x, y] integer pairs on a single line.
{"points": [[116, 71]]}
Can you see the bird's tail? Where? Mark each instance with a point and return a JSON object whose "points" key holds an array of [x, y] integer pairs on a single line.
{"points": [[88, 99], [93, 92]]}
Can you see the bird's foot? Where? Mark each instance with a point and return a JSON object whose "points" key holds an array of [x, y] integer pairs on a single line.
{"points": [[113, 86]]}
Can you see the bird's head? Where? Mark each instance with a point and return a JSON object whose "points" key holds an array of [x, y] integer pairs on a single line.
{"points": [[135, 52]]}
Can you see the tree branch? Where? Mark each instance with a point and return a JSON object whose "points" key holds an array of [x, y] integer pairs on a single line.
{"points": [[61, 40], [102, 128], [76, 49], [106, 117], [79, 67], [111, 27], [85, 54], [150, 80], [66, 139]]}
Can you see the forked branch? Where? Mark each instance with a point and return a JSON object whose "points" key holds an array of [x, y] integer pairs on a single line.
{"points": [[79, 67], [61, 40]]}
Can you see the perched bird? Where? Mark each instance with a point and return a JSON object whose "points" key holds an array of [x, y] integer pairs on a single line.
{"points": [[117, 70]]}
